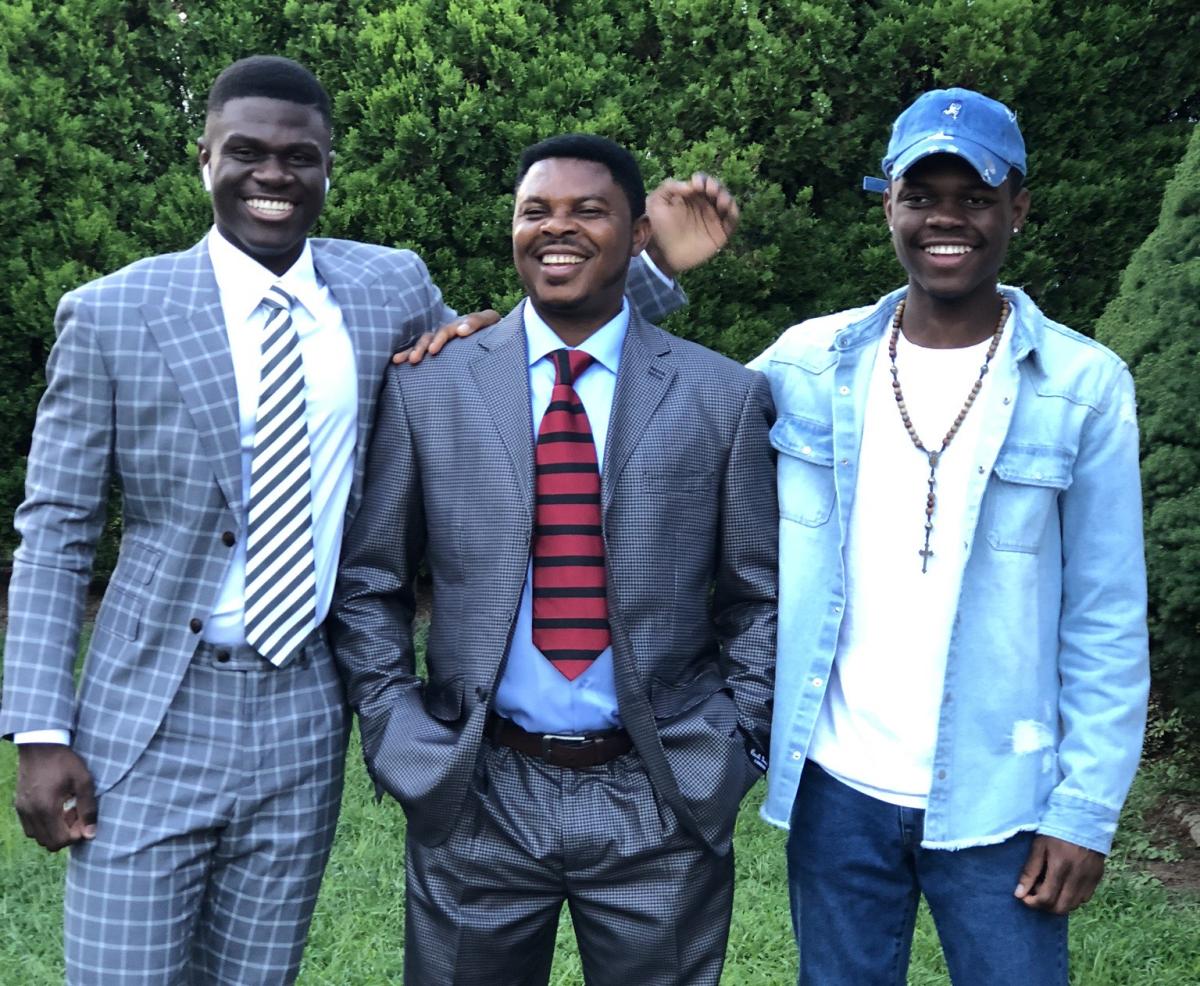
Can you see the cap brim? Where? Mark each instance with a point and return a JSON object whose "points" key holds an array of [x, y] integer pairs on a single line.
{"points": [[992, 169]]}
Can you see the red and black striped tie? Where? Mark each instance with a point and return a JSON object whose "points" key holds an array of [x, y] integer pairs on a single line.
{"points": [[570, 605]]}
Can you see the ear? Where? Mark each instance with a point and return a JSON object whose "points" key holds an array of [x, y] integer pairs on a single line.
{"points": [[641, 234], [202, 152], [1020, 208], [887, 205]]}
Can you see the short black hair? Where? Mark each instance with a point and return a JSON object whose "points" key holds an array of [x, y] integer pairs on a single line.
{"points": [[272, 77], [591, 147]]}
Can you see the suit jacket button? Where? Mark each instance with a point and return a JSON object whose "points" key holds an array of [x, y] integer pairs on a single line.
{"points": [[196, 625], [229, 539], [222, 656]]}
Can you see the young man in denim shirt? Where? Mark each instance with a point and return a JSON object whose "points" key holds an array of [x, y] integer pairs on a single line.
{"points": [[962, 665]]}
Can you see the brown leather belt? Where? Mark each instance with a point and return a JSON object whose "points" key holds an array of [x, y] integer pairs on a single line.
{"points": [[575, 752]]}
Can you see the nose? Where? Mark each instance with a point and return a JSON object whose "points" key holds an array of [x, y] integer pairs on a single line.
{"points": [[272, 171], [558, 223], [946, 211]]}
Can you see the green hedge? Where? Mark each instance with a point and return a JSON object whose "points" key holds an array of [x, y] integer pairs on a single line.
{"points": [[1154, 322], [101, 101]]}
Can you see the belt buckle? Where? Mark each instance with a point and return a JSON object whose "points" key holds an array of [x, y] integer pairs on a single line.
{"points": [[571, 742]]}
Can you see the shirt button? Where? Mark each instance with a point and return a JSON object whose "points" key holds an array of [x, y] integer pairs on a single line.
{"points": [[195, 625], [843, 390], [981, 470], [845, 462], [817, 682], [1008, 400], [222, 656], [949, 697], [797, 755], [807, 450], [229, 539], [837, 609], [941, 775]]}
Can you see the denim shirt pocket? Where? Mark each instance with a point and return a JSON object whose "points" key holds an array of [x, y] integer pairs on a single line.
{"points": [[1025, 485], [805, 469]]}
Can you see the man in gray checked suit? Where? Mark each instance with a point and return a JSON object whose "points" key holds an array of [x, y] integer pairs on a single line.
{"points": [[198, 771], [601, 652]]}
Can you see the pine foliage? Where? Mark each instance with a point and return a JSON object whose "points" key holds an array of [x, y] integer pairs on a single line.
{"points": [[1154, 323]]}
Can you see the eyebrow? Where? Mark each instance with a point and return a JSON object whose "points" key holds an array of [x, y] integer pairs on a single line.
{"points": [[579, 199], [259, 142]]}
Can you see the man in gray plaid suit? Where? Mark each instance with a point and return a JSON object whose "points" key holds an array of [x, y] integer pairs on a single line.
{"points": [[196, 775], [601, 653]]}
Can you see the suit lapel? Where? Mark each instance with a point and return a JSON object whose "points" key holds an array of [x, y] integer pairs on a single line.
{"points": [[501, 372], [364, 307], [190, 332], [643, 380]]}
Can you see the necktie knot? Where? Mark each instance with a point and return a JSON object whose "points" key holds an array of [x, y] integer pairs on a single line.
{"points": [[568, 364], [276, 298]]}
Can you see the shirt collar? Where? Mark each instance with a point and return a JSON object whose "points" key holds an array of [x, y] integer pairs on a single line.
{"points": [[244, 282], [603, 345]]}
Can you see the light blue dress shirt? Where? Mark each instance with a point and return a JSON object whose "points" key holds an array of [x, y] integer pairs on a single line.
{"points": [[532, 692]]}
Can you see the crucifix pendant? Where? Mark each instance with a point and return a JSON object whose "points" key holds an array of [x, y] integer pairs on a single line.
{"points": [[930, 505]]}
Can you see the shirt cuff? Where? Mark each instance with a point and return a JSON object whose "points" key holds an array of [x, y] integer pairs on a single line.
{"points": [[668, 281], [59, 736]]}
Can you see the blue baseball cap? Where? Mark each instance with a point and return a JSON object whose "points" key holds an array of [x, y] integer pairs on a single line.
{"points": [[981, 131]]}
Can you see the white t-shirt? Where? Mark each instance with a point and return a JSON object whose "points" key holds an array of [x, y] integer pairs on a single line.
{"points": [[877, 727]]}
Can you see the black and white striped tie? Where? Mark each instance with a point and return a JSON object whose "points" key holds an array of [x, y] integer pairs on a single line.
{"points": [[280, 572]]}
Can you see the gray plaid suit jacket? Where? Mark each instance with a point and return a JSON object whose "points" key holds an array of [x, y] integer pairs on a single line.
{"points": [[141, 387], [690, 526]]}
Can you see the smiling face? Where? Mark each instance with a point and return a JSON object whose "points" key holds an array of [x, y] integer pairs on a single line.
{"points": [[951, 229], [573, 237], [268, 161]]}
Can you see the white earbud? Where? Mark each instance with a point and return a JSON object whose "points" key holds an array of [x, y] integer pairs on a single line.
{"points": [[206, 177], [327, 184]]}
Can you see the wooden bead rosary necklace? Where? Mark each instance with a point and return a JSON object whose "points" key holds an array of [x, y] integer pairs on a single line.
{"points": [[934, 457]]}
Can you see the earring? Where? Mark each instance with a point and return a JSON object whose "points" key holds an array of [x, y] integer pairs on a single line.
{"points": [[891, 229], [1016, 230]]}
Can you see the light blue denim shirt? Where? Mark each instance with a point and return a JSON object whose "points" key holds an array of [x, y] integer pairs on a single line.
{"points": [[1047, 674]]}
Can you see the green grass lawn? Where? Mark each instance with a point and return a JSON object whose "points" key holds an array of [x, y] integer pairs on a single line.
{"points": [[1133, 933]]}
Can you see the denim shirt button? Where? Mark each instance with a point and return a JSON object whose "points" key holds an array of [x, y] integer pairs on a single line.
{"points": [[817, 682], [843, 390], [797, 755], [941, 775]]}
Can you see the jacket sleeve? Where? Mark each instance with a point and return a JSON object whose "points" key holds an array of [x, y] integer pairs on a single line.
{"points": [[371, 621], [652, 295], [1103, 652], [60, 521], [746, 595]]}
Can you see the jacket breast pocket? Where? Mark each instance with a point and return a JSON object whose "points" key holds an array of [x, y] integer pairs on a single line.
{"points": [[804, 469], [1025, 486]]}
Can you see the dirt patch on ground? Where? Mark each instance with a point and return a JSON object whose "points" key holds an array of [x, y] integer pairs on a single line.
{"points": [[1168, 832]]}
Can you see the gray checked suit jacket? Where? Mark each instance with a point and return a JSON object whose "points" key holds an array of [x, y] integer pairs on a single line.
{"points": [[690, 528], [141, 387]]}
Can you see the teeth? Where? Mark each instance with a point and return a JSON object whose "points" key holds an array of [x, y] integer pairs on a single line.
{"points": [[270, 205], [947, 249], [561, 258]]}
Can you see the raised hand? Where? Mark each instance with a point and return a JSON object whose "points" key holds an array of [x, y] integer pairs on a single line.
{"points": [[692, 220]]}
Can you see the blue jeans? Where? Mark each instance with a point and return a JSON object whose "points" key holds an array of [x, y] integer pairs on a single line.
{"points": [[856, 870]]}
